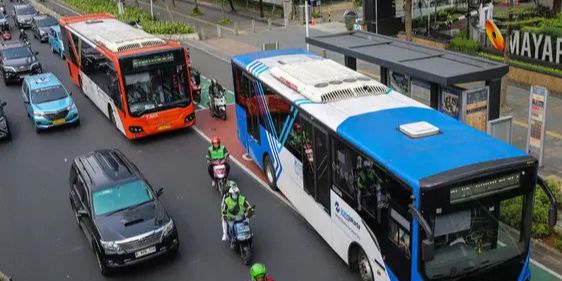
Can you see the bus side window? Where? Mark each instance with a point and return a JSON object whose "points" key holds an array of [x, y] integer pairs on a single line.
{"points": [[295, 138], [241, 87], [370, 183], [343, 171], [399, 232]]}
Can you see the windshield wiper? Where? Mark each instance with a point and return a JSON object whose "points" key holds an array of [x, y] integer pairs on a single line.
{"points": [[129, 208]]}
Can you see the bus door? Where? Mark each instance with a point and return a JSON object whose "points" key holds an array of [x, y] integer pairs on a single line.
{"points": [[253, 123], [316, 177]]}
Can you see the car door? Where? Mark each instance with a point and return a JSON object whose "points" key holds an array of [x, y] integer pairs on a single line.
{"points": [[79, 197], [26, 98]]}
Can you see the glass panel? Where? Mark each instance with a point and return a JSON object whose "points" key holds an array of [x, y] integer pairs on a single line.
{"points": [[120, 197], [344, 170], [308, 156], [48, 94], [322, 168], [473, 237]]}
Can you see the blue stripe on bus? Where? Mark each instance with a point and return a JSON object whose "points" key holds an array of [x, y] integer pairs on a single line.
{"points": [[457, 145]]}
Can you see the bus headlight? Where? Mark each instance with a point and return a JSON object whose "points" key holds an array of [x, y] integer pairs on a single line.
{"points": [[135, 129], [189, 118]]}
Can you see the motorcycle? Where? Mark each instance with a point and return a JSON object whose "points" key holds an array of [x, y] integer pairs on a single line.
{"points": [[6, 35], [241, 236], [195, 83], [220, 175], [217, 101]]}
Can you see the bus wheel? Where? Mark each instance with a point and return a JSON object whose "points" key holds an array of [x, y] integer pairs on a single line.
{"points": [[364, 266], [269, 172]]}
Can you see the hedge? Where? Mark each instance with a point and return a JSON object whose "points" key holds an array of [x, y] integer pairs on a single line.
{"points": [[510, 211], [461, 43], [526, 65], [149, 24]]}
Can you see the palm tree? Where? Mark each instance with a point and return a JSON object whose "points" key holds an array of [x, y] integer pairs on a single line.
{"points": [[408, 19]]}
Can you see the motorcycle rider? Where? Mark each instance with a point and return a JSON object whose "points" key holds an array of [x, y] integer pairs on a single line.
{"points": [[233, 205], [216, 151], [259, 273], [23, 35]]}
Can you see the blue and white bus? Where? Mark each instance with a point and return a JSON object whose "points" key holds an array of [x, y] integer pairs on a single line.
{"points": [[398, 190]]}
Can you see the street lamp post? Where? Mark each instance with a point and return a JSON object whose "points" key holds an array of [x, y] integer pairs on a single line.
{"points": [[151, 10], [306, 22]]}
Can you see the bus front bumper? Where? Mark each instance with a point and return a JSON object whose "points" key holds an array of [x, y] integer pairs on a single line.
{"points": [[135, 132]]}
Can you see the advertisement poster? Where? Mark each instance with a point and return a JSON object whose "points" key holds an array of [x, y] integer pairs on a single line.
{"points": [[421, 91], [450, 101], [475, 103], [399, 82], [537, 122]]}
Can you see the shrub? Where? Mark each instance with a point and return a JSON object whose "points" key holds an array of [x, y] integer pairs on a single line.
{"points": [[224, 21], [510, 211], [316, 14], [463, 44], [196, 12], [558, 244], [149, 24]]}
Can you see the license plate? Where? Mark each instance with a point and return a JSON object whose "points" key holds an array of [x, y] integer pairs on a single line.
{"points": [[58, 122], [145, 252], [164, 127]]}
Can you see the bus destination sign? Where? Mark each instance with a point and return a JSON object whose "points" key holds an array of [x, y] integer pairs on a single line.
{"points": [[484, 188], [148, 61]]}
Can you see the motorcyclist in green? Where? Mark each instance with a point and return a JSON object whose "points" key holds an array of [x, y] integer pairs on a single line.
{"points": [[216, 151], [233, 206], [259, 273]]}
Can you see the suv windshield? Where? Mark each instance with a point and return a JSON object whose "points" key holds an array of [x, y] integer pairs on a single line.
{"points": [[155, 83], [120, 197], [478, 236], [25, 10], [47, 21], [48, 94], [15, 53]]}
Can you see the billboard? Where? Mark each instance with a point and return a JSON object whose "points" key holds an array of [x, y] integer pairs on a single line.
{"points": [[537, 122], [475, 107]]}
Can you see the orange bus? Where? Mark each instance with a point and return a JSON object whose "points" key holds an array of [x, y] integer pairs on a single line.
{"points": [[139, 81]]}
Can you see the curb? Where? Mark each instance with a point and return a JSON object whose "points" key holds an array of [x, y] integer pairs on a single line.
{"points": [[238, 13]]}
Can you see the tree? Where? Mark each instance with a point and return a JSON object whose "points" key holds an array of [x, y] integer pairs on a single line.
{"points": [[408, 19], [261, 8], [503, 92], [232, 10], [557, 6]]}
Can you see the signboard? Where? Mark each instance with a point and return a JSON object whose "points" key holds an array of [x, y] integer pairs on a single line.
{"points": [[501, 128], [540, 47], [421, 91], [475, 108], [483, 188], [157, 59], [537, 122], [399, 82], [450, 101]]}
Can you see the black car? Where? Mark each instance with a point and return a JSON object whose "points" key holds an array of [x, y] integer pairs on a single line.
{"points": [[18, 61], [40, 26], [118, 210], [4, 127], [23, 15]]}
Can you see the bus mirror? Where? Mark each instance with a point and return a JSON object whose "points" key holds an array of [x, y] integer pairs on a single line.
{"points": [[552, 211], [427, 250]]}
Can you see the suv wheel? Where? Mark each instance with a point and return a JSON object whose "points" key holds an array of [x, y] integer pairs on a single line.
{"points": [[269, 173], [75, 212]]}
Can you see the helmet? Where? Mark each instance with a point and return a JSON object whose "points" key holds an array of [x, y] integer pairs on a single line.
{"points": [[231, 184], [234, 191], [257, 270], [366, 164], [216, 140]]}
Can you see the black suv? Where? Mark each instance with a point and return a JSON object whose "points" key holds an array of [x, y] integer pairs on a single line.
{"points": [[4, 127], [40, 26], [18, 61], [118, 210], [23, 14]]}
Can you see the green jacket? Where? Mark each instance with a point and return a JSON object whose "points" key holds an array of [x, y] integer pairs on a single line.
{"points": [[217, 154], [366, 178], [233, 208]]}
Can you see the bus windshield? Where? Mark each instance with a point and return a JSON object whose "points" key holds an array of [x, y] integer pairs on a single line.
{"points": [[156, 82], [480, 235]]}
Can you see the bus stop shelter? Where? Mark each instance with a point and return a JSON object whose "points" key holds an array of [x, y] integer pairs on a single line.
{"points": [[435, 67]]}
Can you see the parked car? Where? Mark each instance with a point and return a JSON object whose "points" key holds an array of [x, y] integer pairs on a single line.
{"points": [[4, 127], [47, 102], [23, 15], [55, 41], [40, 26], [17, 61], [119, 211]]}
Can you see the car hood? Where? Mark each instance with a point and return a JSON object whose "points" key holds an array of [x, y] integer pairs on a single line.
{"points": [[115, 227], [54, 106], [23, 61]]}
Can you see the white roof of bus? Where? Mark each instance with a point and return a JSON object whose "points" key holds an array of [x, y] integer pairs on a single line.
{"points": [[331, 113], [114, 34]]}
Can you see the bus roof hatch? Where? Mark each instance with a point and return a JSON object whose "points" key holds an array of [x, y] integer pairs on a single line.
{"points": [[325, 80]]}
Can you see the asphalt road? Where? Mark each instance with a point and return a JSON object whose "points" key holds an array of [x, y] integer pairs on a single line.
{"points": [[39, 239]]}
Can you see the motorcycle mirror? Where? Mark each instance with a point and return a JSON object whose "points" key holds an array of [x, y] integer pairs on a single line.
{"points": [[159, 192]]}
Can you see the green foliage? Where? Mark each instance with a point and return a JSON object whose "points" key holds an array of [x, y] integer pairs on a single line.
{"points": [[526, 65], [540, 25], [224, 21], [357, 3], [510, 211], [150, 25], [558, 244], [196, 12], [316, 14], [461, 43]]}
